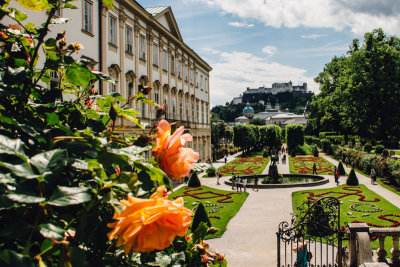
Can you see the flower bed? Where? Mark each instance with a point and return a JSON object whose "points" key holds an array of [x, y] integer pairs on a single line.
{"points": [[304, 165], [245, 166], [358, 204], [220, 205]]}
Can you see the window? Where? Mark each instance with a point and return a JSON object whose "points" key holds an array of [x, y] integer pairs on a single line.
{"points": [[165, 60], [191, 76], [197, 109], [192, 112], [54, 80], [113, 87], [197, 79], [180, 69], [186, 72], [129, 40], [143, 110], [205, 84], [87, 16], [156, 97], [202, 114], [172, 64], [180, 108], [187, 111], [131, 92], [173, 108], [166, 107], [142, 51], [201, 81], [58, 13], [155, 54], [113, 31]]}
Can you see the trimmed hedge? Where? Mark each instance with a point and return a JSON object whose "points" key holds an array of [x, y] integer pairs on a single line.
{"points": [[352, 178], [194, 180], [323, 135], [314, 150], [294, 134], [309, 139], [200, 216], [341, 168], [384, 167], [326, 146]]}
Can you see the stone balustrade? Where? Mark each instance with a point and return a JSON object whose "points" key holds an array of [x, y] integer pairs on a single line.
{"points": [[381, 234]]}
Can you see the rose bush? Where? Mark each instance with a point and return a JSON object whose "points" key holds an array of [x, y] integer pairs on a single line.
{"points": [[65, 169]]}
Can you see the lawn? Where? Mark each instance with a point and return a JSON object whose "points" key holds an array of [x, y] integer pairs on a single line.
{"points": [[358, 204], [305, 165], [220, 205], [244, 166]]}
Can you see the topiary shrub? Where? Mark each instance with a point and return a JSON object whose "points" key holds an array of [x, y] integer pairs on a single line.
{"points": [[367, 147], [265, 153], [352, 178], [194, 180], [293, 153], [200, 216], [379, 149], [211, 171], [314, 150], [326, 146], [341, 168]]}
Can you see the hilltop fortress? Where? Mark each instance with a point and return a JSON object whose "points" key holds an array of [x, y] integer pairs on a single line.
{"points": [[262, 94]]}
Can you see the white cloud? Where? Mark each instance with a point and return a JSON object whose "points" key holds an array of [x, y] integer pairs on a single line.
{"points": [[240, 24], [270, 50], [359, 15], [313, 36], [237, 70]]}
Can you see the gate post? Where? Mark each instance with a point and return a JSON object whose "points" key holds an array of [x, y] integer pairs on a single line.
{"points": [[278, 247], [353, 229]]}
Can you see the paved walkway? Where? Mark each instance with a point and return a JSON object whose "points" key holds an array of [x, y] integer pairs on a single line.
{"points": [[250, 238]]}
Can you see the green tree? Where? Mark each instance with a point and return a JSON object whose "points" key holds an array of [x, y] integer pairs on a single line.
{"points": [[257, 121], [294, 135], [359, 90]]}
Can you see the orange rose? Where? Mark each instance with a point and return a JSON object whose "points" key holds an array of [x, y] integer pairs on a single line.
{"points": [[150, 224], [170, 154]]}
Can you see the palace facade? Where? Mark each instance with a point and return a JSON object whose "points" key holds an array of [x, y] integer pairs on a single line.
{"points": [[142, 46]]}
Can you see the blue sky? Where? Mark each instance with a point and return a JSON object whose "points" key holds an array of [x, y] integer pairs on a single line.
{"points": [[251, 43]]}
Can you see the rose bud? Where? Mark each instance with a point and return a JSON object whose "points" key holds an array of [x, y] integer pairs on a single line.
{"points": [[144, 89]]}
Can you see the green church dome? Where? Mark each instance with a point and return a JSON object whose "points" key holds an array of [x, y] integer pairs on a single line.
{"points": [[248, 110]]}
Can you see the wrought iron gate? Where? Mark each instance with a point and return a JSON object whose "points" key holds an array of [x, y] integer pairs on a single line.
{"points": [[317, 227]]}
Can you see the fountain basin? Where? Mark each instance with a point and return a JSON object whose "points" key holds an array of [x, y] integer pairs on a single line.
{"points": [[289, 180]]}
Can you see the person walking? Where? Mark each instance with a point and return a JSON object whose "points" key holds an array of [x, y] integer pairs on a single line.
{"points": [[255, 183], [337, 176], [334, 173], [233, 179], [225, 158], [218, 175], [314, 169], [238, 184], [244, 183], [373, 176]]}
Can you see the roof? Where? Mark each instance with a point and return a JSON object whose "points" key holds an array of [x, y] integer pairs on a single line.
{"points": [[242, 118], [287, 116], [154, 11], [248, 109], [298, 120]]}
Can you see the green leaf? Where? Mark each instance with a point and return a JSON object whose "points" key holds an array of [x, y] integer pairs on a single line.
{"points": [[162, 259], [109, 3], [54, 56], [200, 233], [21, 170], [71, 6], [78, 75], [46, 245], [10, 258], [65, 196], [50, 162], [24, 198], [50, 43], [19, 16], [51, 231], [11, 146], [52, 118]]}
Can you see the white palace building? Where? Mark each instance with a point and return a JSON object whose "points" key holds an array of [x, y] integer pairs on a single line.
{"points": [[137, 45]]}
